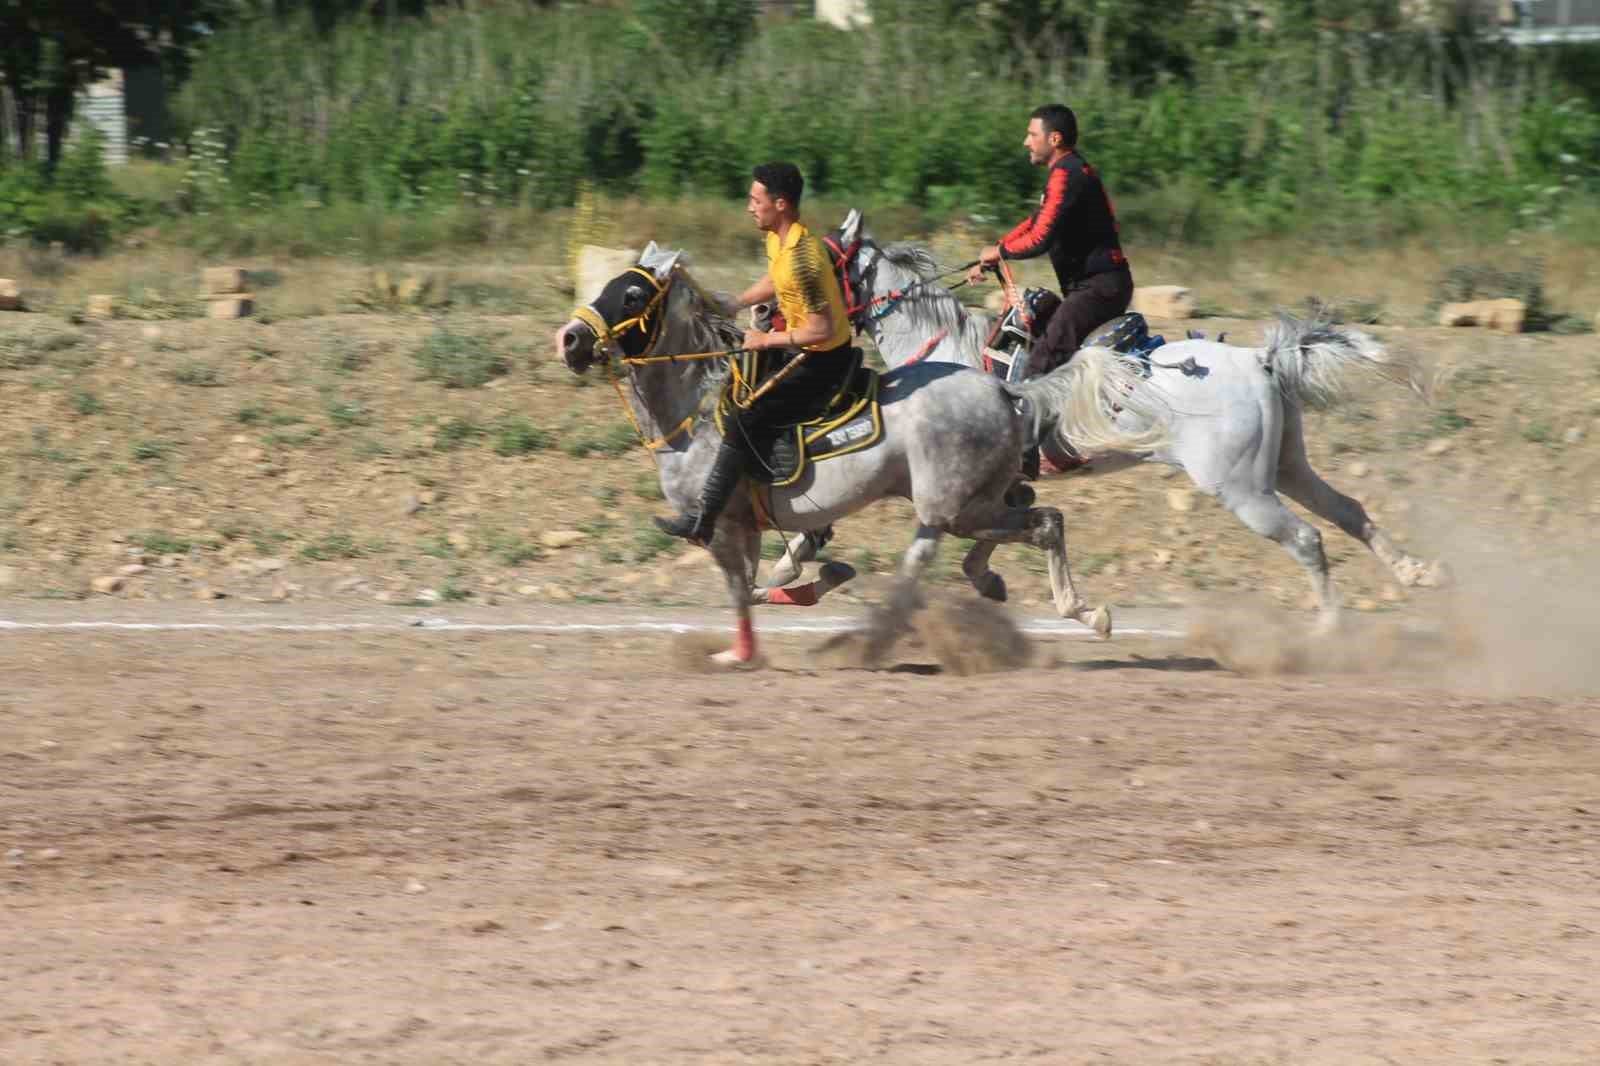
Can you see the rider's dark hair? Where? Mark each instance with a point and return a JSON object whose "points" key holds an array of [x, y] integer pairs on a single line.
{"points": [[781, 179], [1058, 118]]}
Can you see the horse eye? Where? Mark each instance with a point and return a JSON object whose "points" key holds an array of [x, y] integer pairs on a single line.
{"points": [[633, 297]]}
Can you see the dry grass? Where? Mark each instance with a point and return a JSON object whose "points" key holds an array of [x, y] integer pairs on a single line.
{"points": [[318, 422]]}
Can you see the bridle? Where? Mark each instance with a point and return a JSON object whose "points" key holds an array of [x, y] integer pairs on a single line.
{"points": [[856, 283], [608, 336], [646, 325]]}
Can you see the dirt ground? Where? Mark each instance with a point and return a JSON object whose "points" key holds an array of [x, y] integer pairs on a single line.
{"points": [[427, 846], [439, 847]]}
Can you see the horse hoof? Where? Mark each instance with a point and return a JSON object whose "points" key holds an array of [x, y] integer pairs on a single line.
{"points": [[1101, 621], [831, 575], [731, 660], [1020, 495], [991, 586]]}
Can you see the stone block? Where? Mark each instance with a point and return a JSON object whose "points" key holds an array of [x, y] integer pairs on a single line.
{"points": [[1503, 316], [239, 306], [10, 295], [1163, 301], [223, 281]]}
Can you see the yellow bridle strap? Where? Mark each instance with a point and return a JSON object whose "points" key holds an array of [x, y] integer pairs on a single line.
{"points": [[591, 318], [637, 360], [653, 444], [607, 334]]}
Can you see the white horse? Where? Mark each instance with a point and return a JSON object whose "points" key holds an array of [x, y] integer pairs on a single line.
{"points": [[1236, 425]]}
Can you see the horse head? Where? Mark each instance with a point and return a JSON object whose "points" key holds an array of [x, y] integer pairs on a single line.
{"points": [[626, 317]]}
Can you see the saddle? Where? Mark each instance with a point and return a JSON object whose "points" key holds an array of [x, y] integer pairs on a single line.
{"points": [[849, 421], [1009, 354]]}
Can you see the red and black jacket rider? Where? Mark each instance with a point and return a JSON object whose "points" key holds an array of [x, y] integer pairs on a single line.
{"points": [[1075, 223]]}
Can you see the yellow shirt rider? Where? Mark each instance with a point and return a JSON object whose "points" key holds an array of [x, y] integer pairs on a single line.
{"points": [[800, 277]]}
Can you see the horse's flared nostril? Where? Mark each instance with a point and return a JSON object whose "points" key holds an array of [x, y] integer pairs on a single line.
{"points": [[569, 340]]}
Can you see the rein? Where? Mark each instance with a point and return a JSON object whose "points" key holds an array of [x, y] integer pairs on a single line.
{"points": [[607, 338], [844, 259]]}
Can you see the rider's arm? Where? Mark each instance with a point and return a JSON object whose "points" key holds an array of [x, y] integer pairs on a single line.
{"points": [[812, 273], [817, 327], [762, 291], [1035, 236]]}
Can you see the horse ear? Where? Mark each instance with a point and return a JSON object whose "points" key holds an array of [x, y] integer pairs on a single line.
{"points": [[850, 229], [658, 260]]}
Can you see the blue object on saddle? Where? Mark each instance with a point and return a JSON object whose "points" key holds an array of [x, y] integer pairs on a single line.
{"points": [[1129, 335]]}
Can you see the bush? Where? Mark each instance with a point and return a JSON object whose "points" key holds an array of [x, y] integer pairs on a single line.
{"points": [[306, 130], [455, 433], [77, 205], [1492, 281], [459, 360], [517, 436], [332, 546], [510, 104]]}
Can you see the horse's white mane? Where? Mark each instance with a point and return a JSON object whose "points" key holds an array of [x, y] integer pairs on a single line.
{"points": [[927, 308]]}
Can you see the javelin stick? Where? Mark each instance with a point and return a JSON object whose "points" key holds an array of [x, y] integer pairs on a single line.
{"points": [[766, 386]]}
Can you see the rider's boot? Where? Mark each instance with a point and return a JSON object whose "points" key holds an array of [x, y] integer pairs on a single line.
{"points": [[725, 475]]}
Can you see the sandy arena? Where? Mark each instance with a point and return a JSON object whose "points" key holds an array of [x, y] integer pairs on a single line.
{"points": [[426, 846]]}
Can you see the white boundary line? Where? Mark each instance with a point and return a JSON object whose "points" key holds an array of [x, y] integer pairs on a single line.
{"points": [[831, 625]]}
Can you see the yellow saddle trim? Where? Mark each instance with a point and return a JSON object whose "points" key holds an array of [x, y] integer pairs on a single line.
{"points": [[808, 433]]}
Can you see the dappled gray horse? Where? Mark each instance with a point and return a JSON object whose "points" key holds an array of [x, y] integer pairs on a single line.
{"points": [[951, 443], [1236, 426]]}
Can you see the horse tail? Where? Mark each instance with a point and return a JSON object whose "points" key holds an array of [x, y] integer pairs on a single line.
{"points": [[1308, 359], [1077, 401]]}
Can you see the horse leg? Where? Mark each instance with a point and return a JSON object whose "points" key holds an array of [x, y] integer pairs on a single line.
{"points": [[990, 585], [921, 553], [737, 550], [890, 623], [1303, 485], [1044, 528], [801, 549], [1265, 513]]}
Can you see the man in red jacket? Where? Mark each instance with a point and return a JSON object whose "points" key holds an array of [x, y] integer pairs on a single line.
{"points": [[1077, 226]]}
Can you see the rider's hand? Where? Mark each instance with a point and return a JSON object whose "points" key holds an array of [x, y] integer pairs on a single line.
{"points": [[987, 259], [756, 339]]}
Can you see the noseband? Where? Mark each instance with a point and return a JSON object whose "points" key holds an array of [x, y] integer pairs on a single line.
{"points": [[646, 323]]}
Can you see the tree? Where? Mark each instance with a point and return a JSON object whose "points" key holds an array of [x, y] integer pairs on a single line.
{"points": [[51, 49]]}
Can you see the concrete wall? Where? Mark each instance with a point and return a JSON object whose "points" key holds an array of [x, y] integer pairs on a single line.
{"points": [[101, 106], [845, 14]]}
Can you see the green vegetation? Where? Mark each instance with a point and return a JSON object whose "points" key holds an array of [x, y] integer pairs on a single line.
{"points": [[515, 435], [307, 125], [459, 360]]}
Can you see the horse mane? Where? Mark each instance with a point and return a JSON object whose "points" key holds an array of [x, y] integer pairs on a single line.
{"points": [[716, 328], [910, 256], [927, 308]]}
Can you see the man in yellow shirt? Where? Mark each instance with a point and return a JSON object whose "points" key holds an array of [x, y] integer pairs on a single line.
{"points": [[800, 277]]}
